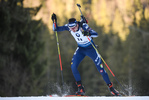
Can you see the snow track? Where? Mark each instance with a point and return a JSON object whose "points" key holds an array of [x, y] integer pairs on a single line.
{"points": [[75, 98]]}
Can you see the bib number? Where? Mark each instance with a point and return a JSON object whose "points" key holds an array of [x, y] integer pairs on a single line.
{"points": [[79, 39]]}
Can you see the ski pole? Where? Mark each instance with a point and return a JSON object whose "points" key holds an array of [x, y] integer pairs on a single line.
{"points": [[108, 67], [59, 55]]}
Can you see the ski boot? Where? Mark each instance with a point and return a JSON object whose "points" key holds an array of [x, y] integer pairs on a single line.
{"points": [[113, 90], [80, 91]]}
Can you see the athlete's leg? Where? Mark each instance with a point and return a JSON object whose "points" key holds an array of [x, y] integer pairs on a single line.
{"points": [[98, 62], [77, 58], [92, 53]]}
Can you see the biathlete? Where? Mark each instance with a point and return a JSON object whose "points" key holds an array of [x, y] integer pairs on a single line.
{"points": [[83, 35]]}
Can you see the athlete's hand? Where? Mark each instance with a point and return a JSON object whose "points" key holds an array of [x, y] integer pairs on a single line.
{"points": [[53, 17], [86, 33]]}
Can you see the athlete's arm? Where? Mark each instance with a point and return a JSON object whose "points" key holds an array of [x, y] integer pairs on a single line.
{"points": [[60, 28]]}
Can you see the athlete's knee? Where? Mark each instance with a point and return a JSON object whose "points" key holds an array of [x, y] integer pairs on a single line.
{"points": [[101, 69], [73, 67]]}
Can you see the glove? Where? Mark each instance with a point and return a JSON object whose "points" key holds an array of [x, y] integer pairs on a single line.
{"points": [[53, 17], [86, 33]]}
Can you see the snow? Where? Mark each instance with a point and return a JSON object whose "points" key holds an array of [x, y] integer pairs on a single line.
{"points": [[76, 98]]}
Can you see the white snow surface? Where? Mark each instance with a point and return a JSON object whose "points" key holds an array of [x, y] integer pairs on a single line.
{"points": [[76, 98]]}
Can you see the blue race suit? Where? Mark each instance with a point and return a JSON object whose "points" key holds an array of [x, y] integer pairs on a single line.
{"points": [[84, 48]]}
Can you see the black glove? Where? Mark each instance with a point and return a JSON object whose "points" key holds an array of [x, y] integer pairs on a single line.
{"points": [[53, 17], [86, 33]]}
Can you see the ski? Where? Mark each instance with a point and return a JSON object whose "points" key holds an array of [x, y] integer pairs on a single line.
{"points": [[68, 96], [75, 96]]}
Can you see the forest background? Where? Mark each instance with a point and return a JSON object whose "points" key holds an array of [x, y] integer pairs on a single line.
{"points": [[29, 62]]}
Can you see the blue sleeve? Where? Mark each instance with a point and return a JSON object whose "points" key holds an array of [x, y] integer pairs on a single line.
{"points": [[60, 28], [88, 29]]}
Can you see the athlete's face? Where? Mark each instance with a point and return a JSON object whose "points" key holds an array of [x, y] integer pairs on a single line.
{"points": [[74, 29]]}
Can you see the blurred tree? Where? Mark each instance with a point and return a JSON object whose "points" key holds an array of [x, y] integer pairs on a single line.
{"points": [[118, 24], [21, 68]]}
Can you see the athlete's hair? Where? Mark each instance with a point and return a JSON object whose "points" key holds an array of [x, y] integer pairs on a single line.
{"points": [[72, 20]]}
